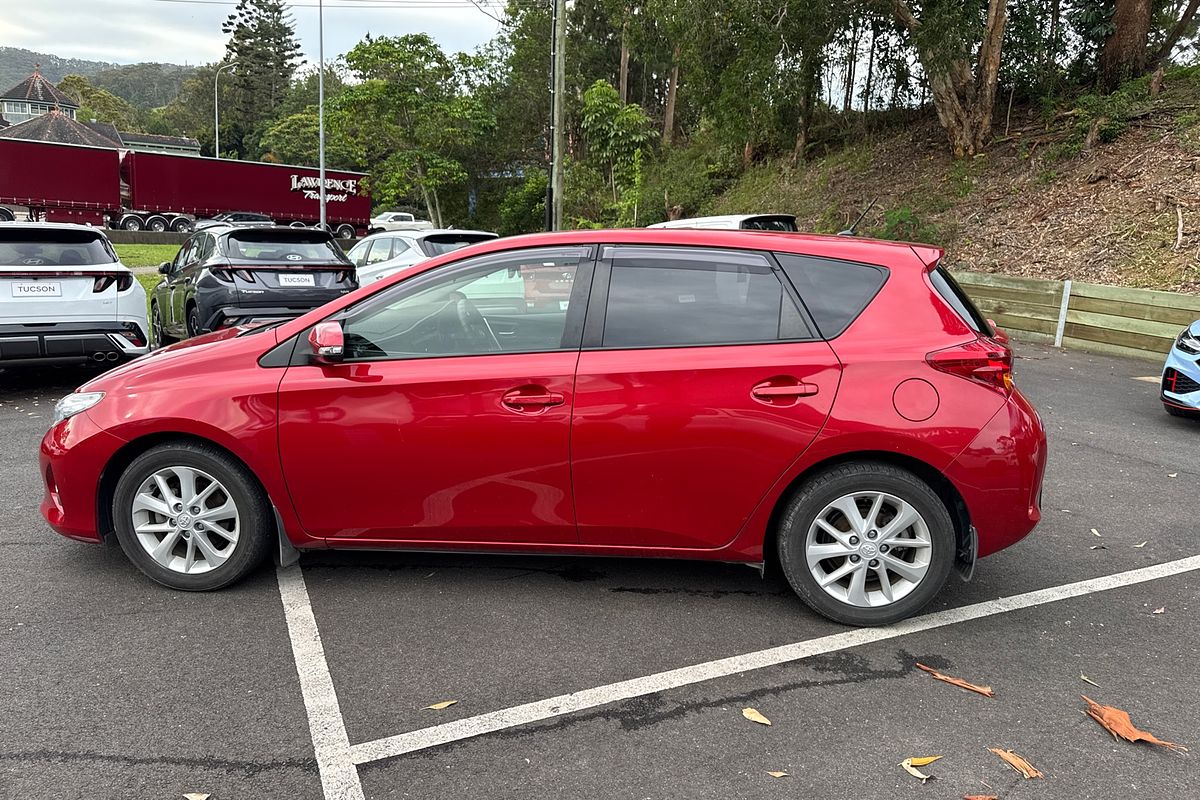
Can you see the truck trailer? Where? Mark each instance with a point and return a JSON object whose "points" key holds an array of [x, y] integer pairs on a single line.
{"points": [[133, 190]]}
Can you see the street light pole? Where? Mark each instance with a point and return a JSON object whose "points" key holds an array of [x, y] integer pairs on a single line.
{"points": [[321, 103], [217, 109]]}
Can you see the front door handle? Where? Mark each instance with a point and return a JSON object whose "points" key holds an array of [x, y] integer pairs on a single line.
{"points": [[531, 398], [776, 389]]}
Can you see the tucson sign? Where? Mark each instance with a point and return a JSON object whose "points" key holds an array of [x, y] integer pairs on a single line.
{"points": [[336, 189]]}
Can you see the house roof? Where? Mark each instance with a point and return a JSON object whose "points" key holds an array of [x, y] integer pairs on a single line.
{"points": [[105, 129], [4, 123], [57, 127], [132, 139], [39, 90]]}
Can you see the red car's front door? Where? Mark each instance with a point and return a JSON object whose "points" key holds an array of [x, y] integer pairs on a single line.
{"points": [[449, 420], [697, 387]]}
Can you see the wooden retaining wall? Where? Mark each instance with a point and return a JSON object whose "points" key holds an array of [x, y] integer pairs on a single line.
{"points": [[1109, 319]]}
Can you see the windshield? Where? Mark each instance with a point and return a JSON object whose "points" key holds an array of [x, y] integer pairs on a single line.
{"points": [[54, 248], [272, 246], [447, 242]]}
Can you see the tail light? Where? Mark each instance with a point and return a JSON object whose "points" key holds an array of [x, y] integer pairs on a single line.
{"points": [[226, 275], [983, 361], [102, 282], [346, 276]]}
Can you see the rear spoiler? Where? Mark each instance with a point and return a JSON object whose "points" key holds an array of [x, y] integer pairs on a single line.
{"points": [[929, 255]]}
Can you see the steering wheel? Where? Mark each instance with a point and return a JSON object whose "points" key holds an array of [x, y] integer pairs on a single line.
{"points": [[475, 326]]}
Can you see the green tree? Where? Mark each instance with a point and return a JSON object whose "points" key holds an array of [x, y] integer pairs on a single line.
{"points": [[262, 41], [98, 104], [615, 133]]}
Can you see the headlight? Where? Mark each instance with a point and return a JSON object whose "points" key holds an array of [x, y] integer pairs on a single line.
{"points": [[1188, 343], [72, 404]]}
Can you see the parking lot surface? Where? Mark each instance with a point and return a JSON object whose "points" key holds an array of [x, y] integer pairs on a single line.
{"points": [[118, 688]]}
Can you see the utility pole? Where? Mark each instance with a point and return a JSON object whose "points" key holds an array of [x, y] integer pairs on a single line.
{"points": [[321, 104], [217, 109], [557, 132]]}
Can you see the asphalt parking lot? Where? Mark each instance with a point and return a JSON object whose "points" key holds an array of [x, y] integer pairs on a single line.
{"points": [[118, 688]]}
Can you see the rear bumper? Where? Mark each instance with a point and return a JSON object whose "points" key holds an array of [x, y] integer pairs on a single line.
{"points": [[228, 316], [71, 342], [1000, 475]]}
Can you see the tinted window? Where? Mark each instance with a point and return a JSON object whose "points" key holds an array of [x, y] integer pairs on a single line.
{"points": [[511, 303], [836, 292], [53, 248], [953, 294], [769, 223], [662, 298], [293, 245], [205, 248], [446, 242], [381, 250]]}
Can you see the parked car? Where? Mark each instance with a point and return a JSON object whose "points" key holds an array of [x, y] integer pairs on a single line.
{"points": [[1181, 375], [65, 297], [383, 254], [744, 222], [834, 403], [232, 276], [398, 221], [234, 219]]}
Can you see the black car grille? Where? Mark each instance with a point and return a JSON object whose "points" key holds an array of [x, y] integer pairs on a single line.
{"points": [[1176, 382]]}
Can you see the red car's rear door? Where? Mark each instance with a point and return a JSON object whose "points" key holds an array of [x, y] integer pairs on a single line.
{"points": [[700, 381], [449, 420]]}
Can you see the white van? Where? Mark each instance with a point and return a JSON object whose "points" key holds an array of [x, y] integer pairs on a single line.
{"points": [[65, 297], [745, 222]]}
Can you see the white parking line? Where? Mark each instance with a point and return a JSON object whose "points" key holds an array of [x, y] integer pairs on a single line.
{"points": [[339, 776], [424, 738], [1148, 378]]}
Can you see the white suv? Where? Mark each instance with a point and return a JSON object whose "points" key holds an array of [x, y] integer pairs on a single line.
{"points": [[65, 297], [382, 254]]}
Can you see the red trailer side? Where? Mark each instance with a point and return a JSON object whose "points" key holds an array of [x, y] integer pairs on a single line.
{"points": [[159, 182], [65, 182]]}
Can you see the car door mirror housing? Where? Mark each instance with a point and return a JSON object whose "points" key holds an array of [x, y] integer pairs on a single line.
{"points": [[327, 342], [164, 268]]}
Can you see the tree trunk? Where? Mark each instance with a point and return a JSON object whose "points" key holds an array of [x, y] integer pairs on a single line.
{"points": [[810, 74], [870, 68], [851, 63], [437, 209], [623, 73], [964, 99], [668, 133], [1185, 19], [1124, 55]]}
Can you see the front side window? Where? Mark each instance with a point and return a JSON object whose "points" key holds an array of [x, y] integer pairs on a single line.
{"points": [[660, 297], [508, 303]]}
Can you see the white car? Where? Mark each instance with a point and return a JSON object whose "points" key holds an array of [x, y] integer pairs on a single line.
{"points": [[399, 221], [383, 254], [65, 297], [745, 222]]}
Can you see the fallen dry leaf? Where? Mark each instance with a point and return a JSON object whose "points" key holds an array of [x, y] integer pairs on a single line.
{"points": [[1162, 610], [1118, 723], [780, 774], [441, 705], [1016, 762], [1086, 679], [922, 761], [1172, 474], [196, 796], [1095, 532], [1143, 544], [907, 765], [753, 715], [1097, 547], [986, 691]]}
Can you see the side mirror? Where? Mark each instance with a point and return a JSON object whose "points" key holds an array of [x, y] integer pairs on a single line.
{"points": [[327, 342], [164, 268]]}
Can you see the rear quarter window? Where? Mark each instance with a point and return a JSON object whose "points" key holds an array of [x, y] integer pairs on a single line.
{"points": [[835, 292]]}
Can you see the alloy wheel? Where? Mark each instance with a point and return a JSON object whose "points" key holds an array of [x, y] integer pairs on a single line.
{"points": [[186, 520], [868, 549]]}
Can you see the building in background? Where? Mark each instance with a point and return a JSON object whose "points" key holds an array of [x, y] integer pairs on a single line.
{"points": [[33, 97]]}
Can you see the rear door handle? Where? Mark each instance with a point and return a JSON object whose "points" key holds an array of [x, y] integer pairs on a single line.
{"points": [[770, 391]]}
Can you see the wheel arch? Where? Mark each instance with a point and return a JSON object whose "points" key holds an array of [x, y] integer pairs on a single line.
{"points": [[942, 486]]}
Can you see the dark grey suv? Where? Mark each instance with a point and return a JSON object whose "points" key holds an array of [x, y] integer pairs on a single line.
{"points": [[232, 276]]}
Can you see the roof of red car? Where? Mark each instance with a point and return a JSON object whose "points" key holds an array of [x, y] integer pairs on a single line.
{"points": [[850, 248]]}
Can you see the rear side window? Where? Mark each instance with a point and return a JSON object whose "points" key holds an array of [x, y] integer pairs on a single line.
{"points": [[664, 298], [835, 292], [953, 294]]}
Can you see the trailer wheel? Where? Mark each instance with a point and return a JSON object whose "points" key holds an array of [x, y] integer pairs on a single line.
{"points": [[345, 232], [157, 224], [181, 224], [132, 223], [297, 224], [6, 215]]}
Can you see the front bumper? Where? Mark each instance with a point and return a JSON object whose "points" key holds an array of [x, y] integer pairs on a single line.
{"points": [[1180, 383], [72, 458], [35, 343]]}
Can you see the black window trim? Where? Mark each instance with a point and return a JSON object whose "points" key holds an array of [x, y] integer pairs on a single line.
{"points": [[572, 329], [887, 275], [593, 331]]}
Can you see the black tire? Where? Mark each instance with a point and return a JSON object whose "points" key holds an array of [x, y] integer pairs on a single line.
{"points": [[156, 224], [181, 225], [6, 215], [161, 339], [132, 224], [193, 321], [345, 232], [812, 497], [255, 526]]}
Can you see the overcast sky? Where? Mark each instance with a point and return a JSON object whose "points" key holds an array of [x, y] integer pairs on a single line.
{"points": [[129, 31]]}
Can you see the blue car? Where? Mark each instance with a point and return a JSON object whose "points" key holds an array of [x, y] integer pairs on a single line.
{"points": [[1181, 375]]}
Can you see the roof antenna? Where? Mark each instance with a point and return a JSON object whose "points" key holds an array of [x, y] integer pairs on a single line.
{"points": [[853, 229]]}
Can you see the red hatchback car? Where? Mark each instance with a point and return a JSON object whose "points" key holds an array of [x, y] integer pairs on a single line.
{"points": [[835, 404]]}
